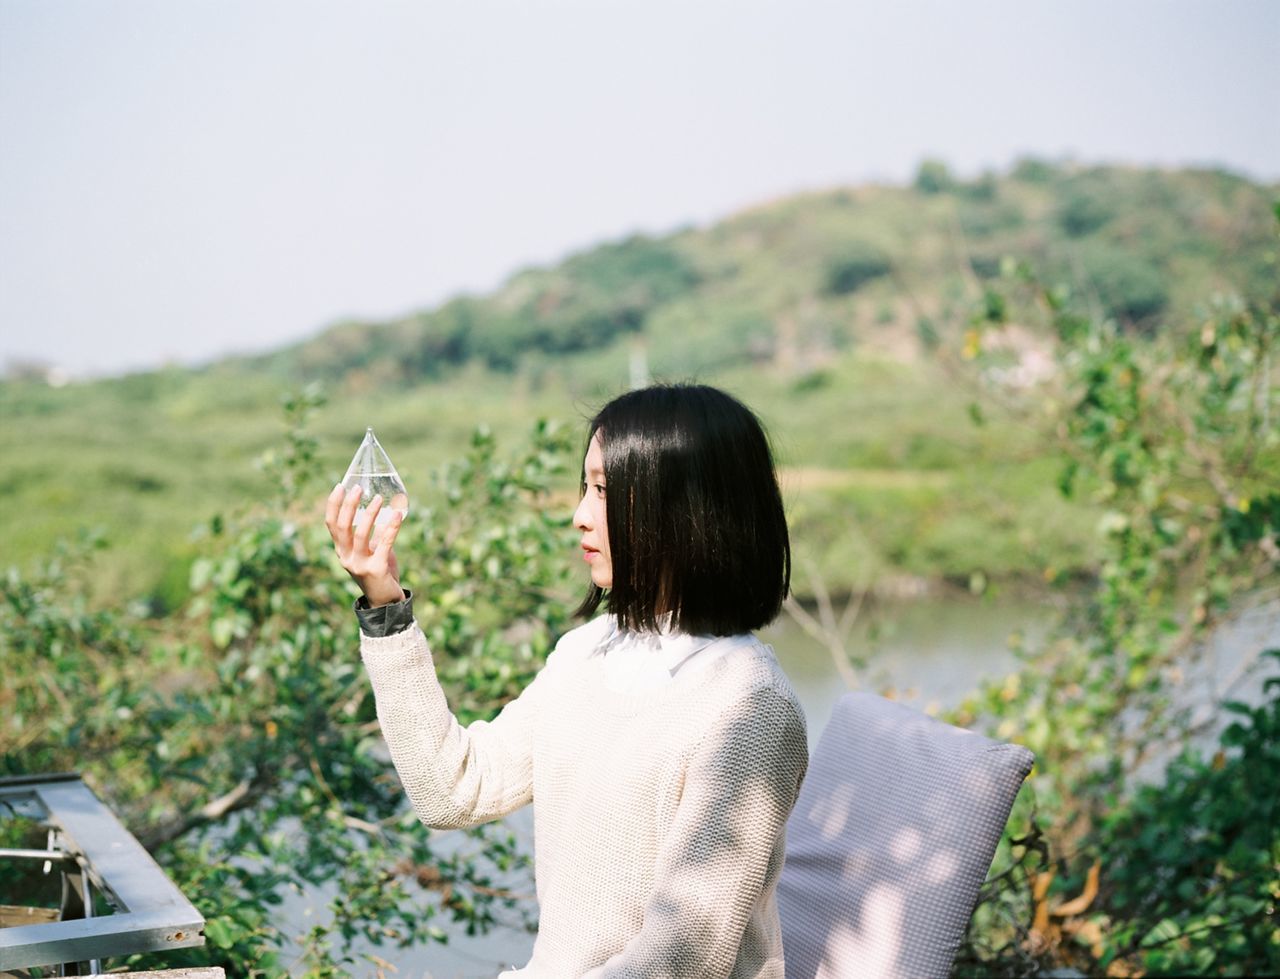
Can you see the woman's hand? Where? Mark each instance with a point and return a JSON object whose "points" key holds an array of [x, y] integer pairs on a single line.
{"points": [[371, 562]]}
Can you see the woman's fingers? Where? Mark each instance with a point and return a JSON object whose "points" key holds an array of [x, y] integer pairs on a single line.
{"points": [[347, 512], [364, 527], [339, 512], [373, 567], [331, 507], [387, 535]]}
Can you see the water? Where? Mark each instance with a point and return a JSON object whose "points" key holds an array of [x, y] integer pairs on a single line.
{"points": [[394, 497], [372, 470], [928, 653]]}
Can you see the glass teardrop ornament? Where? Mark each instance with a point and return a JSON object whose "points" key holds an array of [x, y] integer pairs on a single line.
{"points": [[372, 471]]}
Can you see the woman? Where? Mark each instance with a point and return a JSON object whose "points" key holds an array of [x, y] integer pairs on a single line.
{"points": [[661, 745]]}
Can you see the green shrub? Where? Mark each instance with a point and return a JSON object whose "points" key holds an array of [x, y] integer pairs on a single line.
{"points": [[856, 265], [1191, 867], [984, 188], [986, 266], [1131, 287], [1084, 212], [933, 177], [237, 739], [1030, 170], [1173, 434], [983, 218]]}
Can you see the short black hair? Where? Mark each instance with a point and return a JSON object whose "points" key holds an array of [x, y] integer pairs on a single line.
{"points": [[695, 519]]}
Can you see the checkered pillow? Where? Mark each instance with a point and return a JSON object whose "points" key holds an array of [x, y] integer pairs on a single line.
{"points": [[890, 841]]}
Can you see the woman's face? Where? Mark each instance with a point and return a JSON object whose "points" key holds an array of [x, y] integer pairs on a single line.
{"points": [[589, 518]]}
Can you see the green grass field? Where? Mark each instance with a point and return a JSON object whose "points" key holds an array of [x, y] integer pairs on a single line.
{"points": [[883, 470]]}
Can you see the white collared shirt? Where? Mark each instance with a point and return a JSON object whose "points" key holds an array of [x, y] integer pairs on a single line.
{"points": [[635, 662]]}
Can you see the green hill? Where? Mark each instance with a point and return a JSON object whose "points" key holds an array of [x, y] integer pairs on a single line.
{"points": [[805, 277], [825, 311]]}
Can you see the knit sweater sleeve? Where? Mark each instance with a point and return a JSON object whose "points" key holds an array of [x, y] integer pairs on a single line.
{"points": [[724, 852], [454, 776]]}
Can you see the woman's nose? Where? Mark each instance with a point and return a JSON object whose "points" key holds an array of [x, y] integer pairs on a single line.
{"points": [[581, 516]]}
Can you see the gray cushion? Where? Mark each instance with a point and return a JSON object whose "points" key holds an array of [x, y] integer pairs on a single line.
{"points": [[892, 836]]}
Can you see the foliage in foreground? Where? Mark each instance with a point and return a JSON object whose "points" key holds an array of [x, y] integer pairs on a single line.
{"points": [[1193, 865], [1182, 878], [239, 741], [1132, 852]]}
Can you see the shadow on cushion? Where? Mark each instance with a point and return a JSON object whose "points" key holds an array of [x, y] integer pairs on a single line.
{"points": [[890, 841]]}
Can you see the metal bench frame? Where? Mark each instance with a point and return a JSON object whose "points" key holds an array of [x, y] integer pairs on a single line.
{"points": [[94, 851]]}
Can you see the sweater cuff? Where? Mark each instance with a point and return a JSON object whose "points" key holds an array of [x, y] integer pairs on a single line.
{"points": [[385, 620]]}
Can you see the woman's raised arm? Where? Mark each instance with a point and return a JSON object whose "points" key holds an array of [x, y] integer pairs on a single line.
{"points": [[455, 776]]}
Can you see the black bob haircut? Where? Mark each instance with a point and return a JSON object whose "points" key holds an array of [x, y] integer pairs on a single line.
{"points": [[695, 519]]}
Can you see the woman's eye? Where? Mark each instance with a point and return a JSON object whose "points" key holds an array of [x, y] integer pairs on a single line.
{"points": [[599, 488]]}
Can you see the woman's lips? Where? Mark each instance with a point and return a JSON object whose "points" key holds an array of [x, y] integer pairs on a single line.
{"points": [[588, 552]]}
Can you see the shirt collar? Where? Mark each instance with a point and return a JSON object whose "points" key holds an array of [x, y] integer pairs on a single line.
{"points": [[672, 648]]}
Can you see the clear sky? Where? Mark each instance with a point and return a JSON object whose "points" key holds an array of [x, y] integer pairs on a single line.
{"points": [[184, 178]]}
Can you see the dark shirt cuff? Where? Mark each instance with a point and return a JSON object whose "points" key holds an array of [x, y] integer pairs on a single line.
{"points": [[385, 620]]}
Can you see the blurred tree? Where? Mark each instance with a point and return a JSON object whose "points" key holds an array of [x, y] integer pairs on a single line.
{"points": [[1084, 212], [1131, 287], [857, 264], [1031, 170], [933, 177]]}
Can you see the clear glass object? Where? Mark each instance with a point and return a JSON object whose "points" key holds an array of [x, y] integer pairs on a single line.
{"points": [[372, 471]]}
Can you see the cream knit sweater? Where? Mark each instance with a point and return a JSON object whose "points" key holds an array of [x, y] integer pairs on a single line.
{"points": [[658, 817]]}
